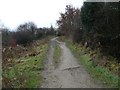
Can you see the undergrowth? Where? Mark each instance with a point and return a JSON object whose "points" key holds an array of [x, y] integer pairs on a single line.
{"points": [[103, 70], [25, 72]]}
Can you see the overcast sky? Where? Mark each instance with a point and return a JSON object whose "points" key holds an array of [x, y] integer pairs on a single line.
{"points": [[42, 12]]}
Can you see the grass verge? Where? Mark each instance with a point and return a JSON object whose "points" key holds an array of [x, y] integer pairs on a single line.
{"points": [[26, 72], [98, 72]]}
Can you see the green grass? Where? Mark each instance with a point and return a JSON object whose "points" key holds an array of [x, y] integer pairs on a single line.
{"points": [[27, 72], [97, 72], [57, 55]]}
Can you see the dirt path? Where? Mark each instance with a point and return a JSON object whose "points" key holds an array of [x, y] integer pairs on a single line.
{"points": [[69, 74]]}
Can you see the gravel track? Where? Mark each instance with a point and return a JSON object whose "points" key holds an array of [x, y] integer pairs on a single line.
{"points": [[69, 74]]}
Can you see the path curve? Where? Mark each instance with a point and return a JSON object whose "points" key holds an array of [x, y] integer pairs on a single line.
{"points": [[69, 74]]}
